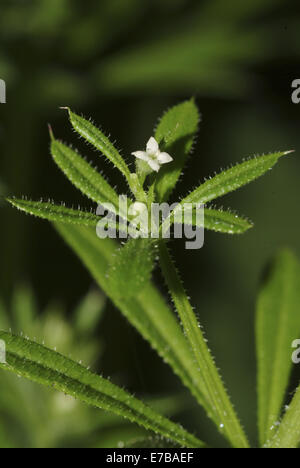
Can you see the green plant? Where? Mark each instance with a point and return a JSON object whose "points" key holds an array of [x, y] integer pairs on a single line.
{"points": [[44, 409], [124, 274]]}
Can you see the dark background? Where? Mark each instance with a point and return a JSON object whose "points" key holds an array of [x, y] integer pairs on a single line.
{"points": [[123, 63]]}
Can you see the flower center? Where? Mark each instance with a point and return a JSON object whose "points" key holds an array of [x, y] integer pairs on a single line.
{"points": [[153, 156]]}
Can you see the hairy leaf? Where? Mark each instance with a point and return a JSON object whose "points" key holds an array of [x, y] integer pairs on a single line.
{"points": [[96, 138], [60, 213], [42, 365], [232, 179], [223, 412], [277, 326], [225, 221], [175, 134], [147, 312], [82, 175], [288, 433], [131, 268], [52, 212], [219, 221]]}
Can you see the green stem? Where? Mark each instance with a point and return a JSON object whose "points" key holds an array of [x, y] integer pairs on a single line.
{"points": [[224, 415], [137, 188]]}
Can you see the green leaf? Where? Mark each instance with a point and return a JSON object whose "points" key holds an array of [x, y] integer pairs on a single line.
{"points": [[44, 366], [233, 178], [96, 138], [225, 221], [175, 135], [131, 268], [52, 212], [277, 326], [288, 433], [82, 175], [223, 412], [147, 312], [60, 213], [220, 221], [150, 442]]}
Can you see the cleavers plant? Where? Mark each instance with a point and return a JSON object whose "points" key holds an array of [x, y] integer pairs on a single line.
{"points": [[124, 273]]}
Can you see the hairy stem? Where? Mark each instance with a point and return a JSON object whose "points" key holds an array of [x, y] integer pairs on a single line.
{"points": [[224, 415]]}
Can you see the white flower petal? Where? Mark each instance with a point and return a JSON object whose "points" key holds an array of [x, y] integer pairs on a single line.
{"points": [[164, 158], [141, 155], [154, 165], [152, 146]]}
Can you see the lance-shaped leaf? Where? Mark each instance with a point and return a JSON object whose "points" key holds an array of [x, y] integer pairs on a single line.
{"points": [[217, 220], [101, 142], [156, 323], [288, 432], [277, 326], [225, 221], [147, 311], [44, 366], [224, 413], [233, 178], [52, 212], [131, 268], [82, 175], [175, 135], [60, 213]]}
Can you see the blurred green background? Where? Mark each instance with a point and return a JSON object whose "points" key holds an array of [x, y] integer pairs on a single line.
{"points": [[123, 62]]}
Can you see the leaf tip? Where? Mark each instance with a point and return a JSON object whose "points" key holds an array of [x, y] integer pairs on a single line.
{"points": [[66, 108], [288, 152], [51, 132], [249, 225], [10, 200]]}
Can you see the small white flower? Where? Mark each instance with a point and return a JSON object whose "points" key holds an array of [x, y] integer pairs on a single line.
{"points": [[153, 156]]}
